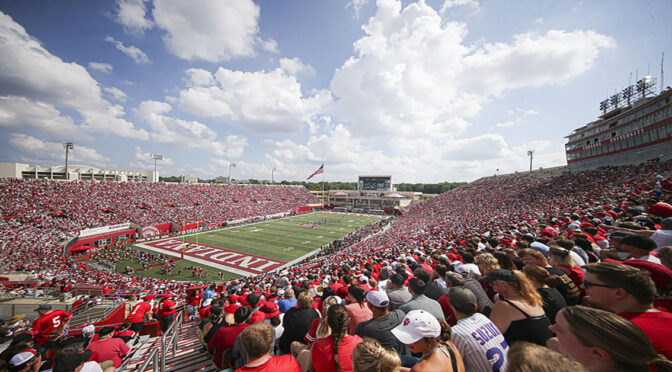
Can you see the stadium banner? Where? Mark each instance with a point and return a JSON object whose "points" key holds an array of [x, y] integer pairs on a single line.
{"points": [[104, 229], [244, 263], [156, 230]]}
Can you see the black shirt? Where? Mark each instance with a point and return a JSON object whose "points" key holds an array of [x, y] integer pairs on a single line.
{"points": [[553, 302], [567, 288], [296, 322]]}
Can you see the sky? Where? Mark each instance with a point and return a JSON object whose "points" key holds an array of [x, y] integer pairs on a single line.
{"points": [[425, 91]]}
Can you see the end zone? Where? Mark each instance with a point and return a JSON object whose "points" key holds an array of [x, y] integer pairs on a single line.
{"points": [[223, 259]]}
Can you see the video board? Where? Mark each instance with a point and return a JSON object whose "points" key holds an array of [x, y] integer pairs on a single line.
{"points": [[375, 183]]}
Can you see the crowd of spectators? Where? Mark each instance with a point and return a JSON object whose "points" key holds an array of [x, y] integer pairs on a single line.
{"points": [[487, 276]]}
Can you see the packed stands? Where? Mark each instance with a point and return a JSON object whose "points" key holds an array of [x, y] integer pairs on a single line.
{"points": [[503, 215]]}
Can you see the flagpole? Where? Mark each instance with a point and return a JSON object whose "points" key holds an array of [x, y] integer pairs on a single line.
{"points": [[323, 198]]}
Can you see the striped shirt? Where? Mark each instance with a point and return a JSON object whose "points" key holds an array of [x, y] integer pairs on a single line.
{"points": [[481, 344]]}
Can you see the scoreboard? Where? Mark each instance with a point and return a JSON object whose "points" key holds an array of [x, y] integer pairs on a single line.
{"points": [[375, 183]]}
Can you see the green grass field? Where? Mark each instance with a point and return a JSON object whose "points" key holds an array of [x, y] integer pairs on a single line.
{"points": [[285, 239]]}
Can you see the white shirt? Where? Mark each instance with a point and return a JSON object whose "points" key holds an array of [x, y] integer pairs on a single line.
{"points": [[649, 258], [663, 238], [481, 344]]}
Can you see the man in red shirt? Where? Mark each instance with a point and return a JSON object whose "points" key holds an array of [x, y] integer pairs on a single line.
{"points": [[629, 292], [49, 321], [166, 312], [140, 312], [226, 336], [108, 347], [257, 341], [193, 302]]}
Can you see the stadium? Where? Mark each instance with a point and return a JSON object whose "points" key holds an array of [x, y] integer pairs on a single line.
{"points": [[417, 253]]}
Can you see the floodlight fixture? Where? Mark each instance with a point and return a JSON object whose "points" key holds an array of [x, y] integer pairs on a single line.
{"points": [[530, 153], [231, 165], [156, 157], [67, 146]]}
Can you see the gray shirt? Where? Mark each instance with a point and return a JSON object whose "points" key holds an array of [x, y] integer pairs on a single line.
{"points": [[425, 303], [398, 297]]}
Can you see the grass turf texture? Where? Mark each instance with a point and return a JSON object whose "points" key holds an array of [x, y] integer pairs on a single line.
{"points": [[284, 239]]}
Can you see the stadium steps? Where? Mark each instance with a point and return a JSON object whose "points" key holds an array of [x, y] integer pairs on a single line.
{"points": [[187, 358], [94, 314]]}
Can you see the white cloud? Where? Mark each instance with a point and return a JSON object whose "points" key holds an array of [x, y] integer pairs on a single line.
{"points": [[132, 16], [356, 5], [258, 101], [116, 93], [210, 30], [105, 68], [412, 72], [172, 131], [447, 4], [28, 70], [42, 152], [144, 160], [20, 113], [295, 67], [506, 124], [132, 51], [198, 77]]}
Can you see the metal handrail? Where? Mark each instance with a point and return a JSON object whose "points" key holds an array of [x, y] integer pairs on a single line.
{"points": [[171, 336], [152, 357]]}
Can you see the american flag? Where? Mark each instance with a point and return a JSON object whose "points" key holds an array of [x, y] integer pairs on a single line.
{"points": [[318, 171]]}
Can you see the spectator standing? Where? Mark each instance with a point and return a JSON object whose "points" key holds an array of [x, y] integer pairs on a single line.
{"points": [[603, 341], [357, 311], [288, 302], [397, 292], [383, 321], [425, 335], [629, 292], [420, 301], [193, 302], [518, 314], [481, 344], [140, 312], [166, 312], [49, 321]]}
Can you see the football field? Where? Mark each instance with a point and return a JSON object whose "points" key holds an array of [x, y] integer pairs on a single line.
{"points": [[263, 246]]}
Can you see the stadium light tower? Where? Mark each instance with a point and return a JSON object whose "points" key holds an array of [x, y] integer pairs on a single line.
{"points": [[231, 165], [530, 153], [272, 171], [156, 157], [67, 146]]}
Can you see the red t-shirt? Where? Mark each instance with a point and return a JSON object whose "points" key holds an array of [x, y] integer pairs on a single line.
{"points": [[204, 312], [323, 353], [224, 339], [47, 323], [166, 307], [138, 312], [657, 325], [194, 300], [284, 363], [110, 349]]}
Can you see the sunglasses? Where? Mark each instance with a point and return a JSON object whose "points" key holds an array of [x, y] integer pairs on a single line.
{"points": [[588, 284]]}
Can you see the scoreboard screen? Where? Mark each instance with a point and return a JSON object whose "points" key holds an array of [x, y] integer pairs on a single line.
{"points": [[375, 183]]}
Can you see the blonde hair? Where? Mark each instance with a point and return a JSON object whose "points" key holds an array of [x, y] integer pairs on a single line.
{"points": [[488, 261], [541, 275], [527, 357], [323, 329], [526, 289], [628, 346], [305, 300], [370, 356], [560, 256]]}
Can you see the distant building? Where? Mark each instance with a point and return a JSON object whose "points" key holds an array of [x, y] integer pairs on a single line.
{"points": [[75, 173], [189, 179], [631, 134]]}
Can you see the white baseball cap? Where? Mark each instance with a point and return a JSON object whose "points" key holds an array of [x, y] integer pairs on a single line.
{"points": [[416, 325], [377, 298]]}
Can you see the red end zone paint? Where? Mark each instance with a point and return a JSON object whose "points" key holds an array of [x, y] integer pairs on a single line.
{"points": [[216, 255]]}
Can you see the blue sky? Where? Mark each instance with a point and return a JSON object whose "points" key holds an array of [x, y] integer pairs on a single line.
{"points": [[427, 91]]}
